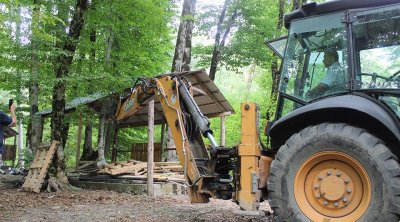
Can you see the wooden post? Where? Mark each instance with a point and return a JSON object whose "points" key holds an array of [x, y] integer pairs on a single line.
{"points": [[78, 142], [115, 145], [163, 146], [150, 149], [222, 136]]}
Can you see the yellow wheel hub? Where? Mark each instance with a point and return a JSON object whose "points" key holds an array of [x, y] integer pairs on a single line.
{"points": [[332, 185]]}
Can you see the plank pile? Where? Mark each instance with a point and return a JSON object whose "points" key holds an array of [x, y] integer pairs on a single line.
{"points": [[136, 170], [126, 167], [87, 167]]}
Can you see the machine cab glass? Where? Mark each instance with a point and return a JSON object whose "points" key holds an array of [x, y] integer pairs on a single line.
{"points": [[315, 65]]}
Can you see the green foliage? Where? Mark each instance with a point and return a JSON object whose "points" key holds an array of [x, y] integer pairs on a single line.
{"points": [[140, 33], [242, 89], [132, 38]]}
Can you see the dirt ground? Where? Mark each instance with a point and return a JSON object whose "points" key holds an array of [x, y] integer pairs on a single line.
{"points": [[85, 205]]}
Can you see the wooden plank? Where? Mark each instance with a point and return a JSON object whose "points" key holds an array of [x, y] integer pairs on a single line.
{"points": [[162, 140], [222, 131], [39, 167], [139, 152], [167, 163], [116, 169], [10, 152], [86, 165]]}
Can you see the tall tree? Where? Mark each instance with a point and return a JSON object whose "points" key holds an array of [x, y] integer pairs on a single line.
{"points": [[182, 57], [35, 124], [61, 68]]}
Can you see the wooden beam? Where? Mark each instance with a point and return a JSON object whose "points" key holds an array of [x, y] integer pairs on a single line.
{"points": [[162, 137], [222, 135], [198, 90], [78, 142], [210, 94], [150, 150], [218, 114]]}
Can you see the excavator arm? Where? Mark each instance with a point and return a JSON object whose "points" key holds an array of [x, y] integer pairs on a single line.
{"points": [[208, 172], [185, 121]]}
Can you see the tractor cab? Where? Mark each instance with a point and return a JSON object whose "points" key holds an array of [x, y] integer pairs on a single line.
{"points": [[340, 52], [336, 133]]}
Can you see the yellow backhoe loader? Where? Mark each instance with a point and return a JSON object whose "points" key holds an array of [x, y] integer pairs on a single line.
{"points": [[335, 141]]}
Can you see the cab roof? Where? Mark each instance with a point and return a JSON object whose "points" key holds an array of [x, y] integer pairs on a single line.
{"points": [[311, 9]]}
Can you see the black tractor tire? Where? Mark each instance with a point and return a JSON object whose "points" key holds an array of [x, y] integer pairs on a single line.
{"points": [[378, 161]]}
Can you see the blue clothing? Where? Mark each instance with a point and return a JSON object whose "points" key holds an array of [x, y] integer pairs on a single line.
{"points": [[5, 120]]}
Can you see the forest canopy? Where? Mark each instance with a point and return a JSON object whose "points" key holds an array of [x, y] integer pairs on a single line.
{"points": [[54, 51]]}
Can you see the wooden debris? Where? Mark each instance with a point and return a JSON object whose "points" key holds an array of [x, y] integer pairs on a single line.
{"points": [[88, 167], [134, 168]]}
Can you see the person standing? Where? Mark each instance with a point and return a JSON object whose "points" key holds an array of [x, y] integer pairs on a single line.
{"points": [[6, 121]]}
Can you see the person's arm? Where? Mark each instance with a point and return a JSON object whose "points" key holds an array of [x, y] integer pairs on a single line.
{"points": [[13, 116], [319, 89]]}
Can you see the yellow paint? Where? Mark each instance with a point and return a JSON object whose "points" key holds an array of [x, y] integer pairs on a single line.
{"points": [[265, 165], [249, 154], [332, 186]]}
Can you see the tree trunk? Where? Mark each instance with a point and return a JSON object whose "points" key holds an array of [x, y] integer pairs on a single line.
{"points": [[187, 18], [296, 4], [87, 144], [217, 50], [100, 141], [109, 46], [220, 43], [35, 124], [109, 134], [182, 57], [251, 75], [171, 148], [87, 152], [108, 129], [61, 67], [21, 150], [187, 49]]}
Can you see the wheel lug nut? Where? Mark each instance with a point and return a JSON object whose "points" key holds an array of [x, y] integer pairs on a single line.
{"points": [[325, 202], [316, 186], [319, 178], [345, 200], [348, 190], [338, 174], [318, 196], [346, 180], [328, 173], [336, 204]]}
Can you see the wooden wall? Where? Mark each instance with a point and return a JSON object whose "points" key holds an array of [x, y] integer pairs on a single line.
{"points": [[139, 152], [9, 152]]}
